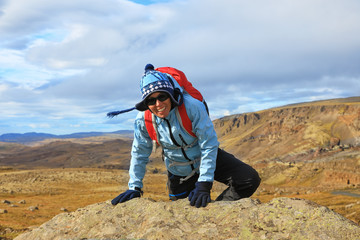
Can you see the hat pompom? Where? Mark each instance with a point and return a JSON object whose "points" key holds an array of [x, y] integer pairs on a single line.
{"points": [[149, 67]]}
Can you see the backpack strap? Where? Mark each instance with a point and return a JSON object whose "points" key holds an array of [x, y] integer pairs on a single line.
{"points": [[184, 119], [151, 127]]}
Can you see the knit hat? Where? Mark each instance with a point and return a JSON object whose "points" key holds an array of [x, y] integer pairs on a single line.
{"points": [[154, 81]]}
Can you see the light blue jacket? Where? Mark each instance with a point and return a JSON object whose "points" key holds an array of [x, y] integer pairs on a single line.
{"points": [[205, 148]]}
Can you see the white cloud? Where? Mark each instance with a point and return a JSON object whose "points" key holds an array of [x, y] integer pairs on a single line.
{"points": [[3, 88], [15, 68], [75, 60], [41, 125]]}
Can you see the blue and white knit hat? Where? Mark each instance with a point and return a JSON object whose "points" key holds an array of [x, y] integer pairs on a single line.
{"points": [[155, 81]]}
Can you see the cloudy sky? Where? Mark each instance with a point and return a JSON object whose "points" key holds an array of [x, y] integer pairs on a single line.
{"points": [[64, 64]]}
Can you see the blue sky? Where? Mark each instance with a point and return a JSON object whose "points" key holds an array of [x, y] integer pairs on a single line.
{"points": [[65, 64]]}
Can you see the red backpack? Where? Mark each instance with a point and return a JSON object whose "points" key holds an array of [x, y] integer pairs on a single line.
{"points": [[181, 114], [180, 77]]}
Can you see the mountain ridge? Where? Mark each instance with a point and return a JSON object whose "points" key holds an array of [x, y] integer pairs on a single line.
{"points": [[25, 138], [291, 129], [300, 131]]}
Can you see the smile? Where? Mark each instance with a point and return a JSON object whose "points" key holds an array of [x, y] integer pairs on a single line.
{"points": [[161, 109]]}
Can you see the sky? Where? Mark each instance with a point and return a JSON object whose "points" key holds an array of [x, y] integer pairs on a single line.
{"points": [[64, 64]]}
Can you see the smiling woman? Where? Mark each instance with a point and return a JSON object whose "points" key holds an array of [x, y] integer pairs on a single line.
{"points": [[193, 158], [159, 104]]}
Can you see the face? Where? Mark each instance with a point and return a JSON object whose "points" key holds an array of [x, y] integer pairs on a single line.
{"points": [[159, 103]]}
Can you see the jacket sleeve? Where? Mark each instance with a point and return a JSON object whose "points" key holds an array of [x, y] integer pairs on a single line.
{"points": [[140, 152], [207, 139]]}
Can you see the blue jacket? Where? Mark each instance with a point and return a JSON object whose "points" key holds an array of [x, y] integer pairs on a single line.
{"points": [[205, 148]]}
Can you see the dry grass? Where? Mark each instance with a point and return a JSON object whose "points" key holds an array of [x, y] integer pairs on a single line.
{"points": [[75, 188]]}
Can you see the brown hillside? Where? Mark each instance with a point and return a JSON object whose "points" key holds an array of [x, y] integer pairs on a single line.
{"points": [[273, 134], [109, 154], [278, 132]]}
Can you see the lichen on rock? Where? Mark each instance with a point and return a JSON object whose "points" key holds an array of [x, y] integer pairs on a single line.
{"points": [[281, 218]]}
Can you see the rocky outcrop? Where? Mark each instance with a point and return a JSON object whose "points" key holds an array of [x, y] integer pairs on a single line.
{"points": [[281, 218], [271, 134]]}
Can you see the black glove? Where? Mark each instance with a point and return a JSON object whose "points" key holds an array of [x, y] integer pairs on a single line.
{"points": [[126, 196], [200, 196]]}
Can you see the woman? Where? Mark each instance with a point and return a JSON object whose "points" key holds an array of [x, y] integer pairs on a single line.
{"points": [[193, 161]]}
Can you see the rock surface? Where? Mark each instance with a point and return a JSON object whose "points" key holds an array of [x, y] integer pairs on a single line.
{"points": [[281, 218]]}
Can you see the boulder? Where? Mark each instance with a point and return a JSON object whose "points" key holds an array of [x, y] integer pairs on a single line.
{"points": [[281, 218], [3, 211]]}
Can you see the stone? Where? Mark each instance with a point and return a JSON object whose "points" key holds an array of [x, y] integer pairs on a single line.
{"points": [[350, 206], [281, 218], [2, 211], [33, 208], [334, 142]]}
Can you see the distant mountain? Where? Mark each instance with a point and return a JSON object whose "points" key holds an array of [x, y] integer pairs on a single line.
{"points": [[34, 137]]}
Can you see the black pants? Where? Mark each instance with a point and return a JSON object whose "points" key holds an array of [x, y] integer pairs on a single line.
{"points": [[242, 180]]}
